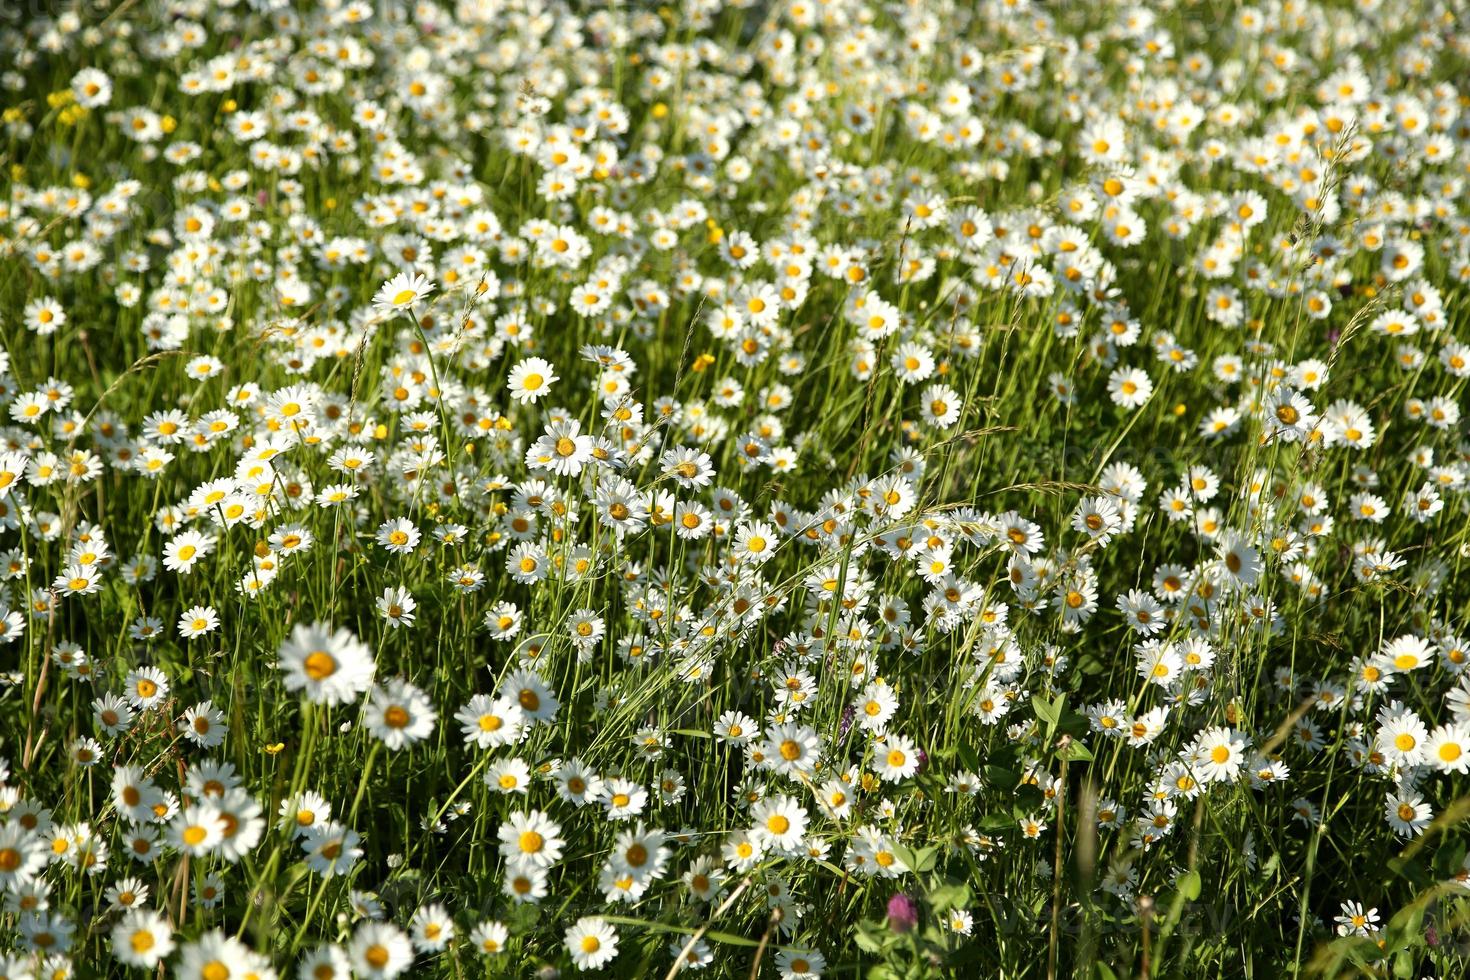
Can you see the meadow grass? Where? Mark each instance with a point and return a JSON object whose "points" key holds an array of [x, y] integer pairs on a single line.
{"points": [[797, 489]]}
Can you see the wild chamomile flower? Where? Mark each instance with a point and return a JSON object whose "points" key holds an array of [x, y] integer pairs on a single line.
{"points": [[204, 725], [328, 666], [396, 606], [330, 848], [779, 822], [488, 938], [490, 722], [1408, 813], [399, 536], [402, 292], [146, 687], [531, 379], [196, 621], [183, 551], [1129, 387], [399, 714], [198, 829], [24, 854], [432, 929], [1355, 920], [1218, 755], [896, 758], [379, 950], [142, 939], [592, 943], [531, 838]]}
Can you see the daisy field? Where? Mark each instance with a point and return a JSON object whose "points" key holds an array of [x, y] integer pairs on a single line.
{"points": [[762, 488]]}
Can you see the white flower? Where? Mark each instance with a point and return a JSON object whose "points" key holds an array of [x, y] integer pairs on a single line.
{"points": [[329, 666], [398, 714], [330, 848], [398, 536], [592, 943], [778, 822], [1218, 754], [379, 950], [895, 759], [402, 292], [396, 606], [1129, 387], [531, 838], [531, 379], [198, 620], [142, 939]]}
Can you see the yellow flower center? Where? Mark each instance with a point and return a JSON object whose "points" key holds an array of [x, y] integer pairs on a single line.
{"points": [[319, 665]]}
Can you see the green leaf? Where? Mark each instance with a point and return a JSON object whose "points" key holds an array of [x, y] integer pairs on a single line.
{"points": [[1028, 799], [870, 936], [999, 776], [1449, 859], [947, 897], [1074, 724], [1405, 931], [969, 758], [1359, 949], [1076, 752], [924, 859], [1189, 886], [1047, 711], [996, 821], [1005, 757], [1410, 870]]}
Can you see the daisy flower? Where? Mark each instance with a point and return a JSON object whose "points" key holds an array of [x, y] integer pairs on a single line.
{"points": [[531, 379], [396, 606], [398, 714], [197, 621], [379, 950], [401, 293], [592, 943], [328, 666]]}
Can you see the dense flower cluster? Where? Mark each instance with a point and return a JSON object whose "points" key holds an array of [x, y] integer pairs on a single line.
{"points": [[655, 490]]}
